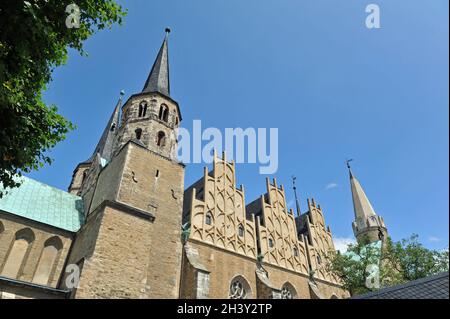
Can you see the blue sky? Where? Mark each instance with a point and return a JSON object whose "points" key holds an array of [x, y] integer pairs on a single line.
{"points": [[334, 88]]}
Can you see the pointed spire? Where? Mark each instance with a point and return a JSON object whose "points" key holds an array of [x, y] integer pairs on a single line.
{"points": [[297, 204], [158, 79], [106, 143], [349, 168], [361, 204]]}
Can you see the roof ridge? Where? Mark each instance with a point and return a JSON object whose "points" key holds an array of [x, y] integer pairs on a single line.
{"points": [[405, 285]]}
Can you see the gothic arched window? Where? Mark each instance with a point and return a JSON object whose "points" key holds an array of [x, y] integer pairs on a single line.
{"points": [[161, 139], [18, 253], [138, 133], [239, 288], [319, 260], [241, 230], [270, 242], [48, 260], [208, 218], [295, 252], [142, 109], [288, 291]]}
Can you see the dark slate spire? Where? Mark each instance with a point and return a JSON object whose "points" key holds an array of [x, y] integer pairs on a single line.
{"points": [[106, 143], [158, 79]]}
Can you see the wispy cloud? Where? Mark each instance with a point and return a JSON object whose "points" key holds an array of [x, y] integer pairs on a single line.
{"points": [[331, 186], [434, 239], [341, 243]]}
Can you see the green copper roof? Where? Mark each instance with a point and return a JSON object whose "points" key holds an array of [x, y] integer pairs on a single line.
{"points": [[45, 204]]}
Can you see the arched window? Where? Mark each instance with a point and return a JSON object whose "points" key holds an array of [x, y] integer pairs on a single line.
{"points": [[113, 127], [48, 260], [84, 175], [241, 230], [319, 260], [295, 252], [18, 253], [288, 291], [208, 218], [239, 288], [161, 139], [270, 242], [142, 109], [2, 229], [164, 113], [138, 133]]}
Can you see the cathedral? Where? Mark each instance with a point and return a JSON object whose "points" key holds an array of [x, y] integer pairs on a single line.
{"points": [[129, 228]]}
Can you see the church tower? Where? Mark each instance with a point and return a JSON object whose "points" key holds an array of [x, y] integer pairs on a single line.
{"points": [[150, 118], [130, 245], [368, 227]]}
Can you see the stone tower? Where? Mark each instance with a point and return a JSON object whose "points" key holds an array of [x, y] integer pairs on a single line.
{"points": [[130, 246], [150, 118], [368, 227]]}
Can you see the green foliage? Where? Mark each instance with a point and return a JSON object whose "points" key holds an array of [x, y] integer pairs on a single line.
{"points": [[34, 40], [398, 262], [414, 261]]}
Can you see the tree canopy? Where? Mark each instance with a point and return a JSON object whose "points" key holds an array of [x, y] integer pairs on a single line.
{"points": [[34, 39], [396, 263]]}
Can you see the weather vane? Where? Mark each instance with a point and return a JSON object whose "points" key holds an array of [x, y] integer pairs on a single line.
{"points": [[294, 187], [348, 162]]}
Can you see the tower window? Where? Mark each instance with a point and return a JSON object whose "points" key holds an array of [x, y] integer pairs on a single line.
{"points": [[84, 176], [164, 113], [319, 260], [142, 109], [138, 133], [295, 252], [161, 139], [113, 127], [270, 242], [157, 173]]}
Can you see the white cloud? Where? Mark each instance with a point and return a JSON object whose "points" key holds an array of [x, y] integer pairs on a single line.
{"points": [[341, 243], [331, 186], [434, 239]]}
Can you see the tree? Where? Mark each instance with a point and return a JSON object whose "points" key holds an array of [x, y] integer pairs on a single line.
{"points": [[414, 261], [34, 40], [397, 263]]}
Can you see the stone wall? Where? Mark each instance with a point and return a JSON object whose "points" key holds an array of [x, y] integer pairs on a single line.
{"points": [[223, 266], [12, 226], [131, 242]]}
